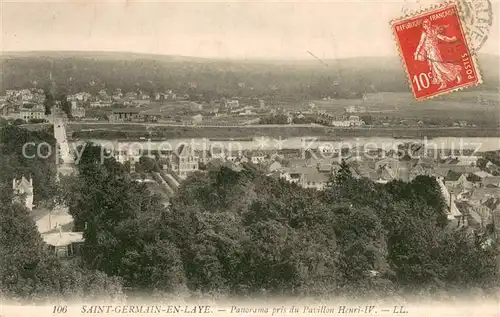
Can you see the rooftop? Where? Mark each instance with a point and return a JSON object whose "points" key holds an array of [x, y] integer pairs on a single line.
{"points": [[316, 176], [482, 174], [60, 239], [483, 193], [24, 184], [451, 176], [491, 180]]}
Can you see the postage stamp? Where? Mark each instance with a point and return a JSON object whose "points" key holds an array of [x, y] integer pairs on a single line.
{"points": [[435, 51]]}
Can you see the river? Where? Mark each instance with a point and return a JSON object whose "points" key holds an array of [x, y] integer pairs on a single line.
{"points": [[479, 144]]}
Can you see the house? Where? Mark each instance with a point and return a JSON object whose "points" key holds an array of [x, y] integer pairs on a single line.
{"points": [[491, 165], [421, 168], [197, 118], [387, 162], [391, 169], [194, 106], [64, 244], [274, 166], [257, 157], [443, 169], [340, 123], [473, 215], [306, 177], [292, 175], [186, 161], [355, 109], [365, 169], [482, 174], [80, 96], [328, 149], [78, 112], [327, 168], [131, 95], [355, 121], [316, 180], [480, 195], [231, 104], [457, 180], [139, 102], [468, 160], [100, 104], [21, 188], [491, 181], [240, 160], [126, 114]]}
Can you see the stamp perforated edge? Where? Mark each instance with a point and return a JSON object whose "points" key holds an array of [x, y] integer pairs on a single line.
{"points": [[473, 58]]}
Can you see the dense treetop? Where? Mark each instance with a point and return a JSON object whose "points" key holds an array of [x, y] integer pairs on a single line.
{"points": [[244, 233], [235, 233]]}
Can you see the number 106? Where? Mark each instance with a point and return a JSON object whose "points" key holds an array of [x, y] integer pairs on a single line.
{"points": [[60, 309]]}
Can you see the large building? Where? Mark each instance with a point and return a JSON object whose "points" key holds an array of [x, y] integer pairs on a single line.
{"points": [[35, 113], [127, 114], [185, 162]]}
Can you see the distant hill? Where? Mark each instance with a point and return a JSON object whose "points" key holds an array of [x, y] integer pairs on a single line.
{"points": [[295, 80]]}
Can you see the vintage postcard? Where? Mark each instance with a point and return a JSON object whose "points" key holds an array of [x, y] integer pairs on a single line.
{"points": [[250, 158]]}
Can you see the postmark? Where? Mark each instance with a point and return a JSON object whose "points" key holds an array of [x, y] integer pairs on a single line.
{"points": [[435, 51], [477, 16]]}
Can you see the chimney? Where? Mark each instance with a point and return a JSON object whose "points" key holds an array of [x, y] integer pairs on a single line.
{"points": [[31, 181], [14, 183]]}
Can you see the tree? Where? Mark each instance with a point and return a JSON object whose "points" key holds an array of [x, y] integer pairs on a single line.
{"points": [[30, 154], [29, 272], [48, 103], [121, 222], [66, 106]]}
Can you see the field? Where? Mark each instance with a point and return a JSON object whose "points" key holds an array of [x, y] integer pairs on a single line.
{"points": [[481, 109]]}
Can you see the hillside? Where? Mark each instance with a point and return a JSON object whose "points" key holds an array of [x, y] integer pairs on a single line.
{"points": [[295, 80]]}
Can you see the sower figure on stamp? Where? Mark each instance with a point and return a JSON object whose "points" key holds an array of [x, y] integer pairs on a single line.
{"points": [[427, 49]]}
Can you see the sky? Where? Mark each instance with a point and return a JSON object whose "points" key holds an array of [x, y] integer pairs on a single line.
{"points": [[249, 30]]}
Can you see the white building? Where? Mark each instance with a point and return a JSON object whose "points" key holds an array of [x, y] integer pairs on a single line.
{"points": [[64, 244], [186, 162], [37, 112], [24, 187], [355, 109], [337, 123]]}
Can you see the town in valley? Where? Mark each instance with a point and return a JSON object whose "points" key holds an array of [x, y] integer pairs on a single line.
{"points": [[204, 178]]}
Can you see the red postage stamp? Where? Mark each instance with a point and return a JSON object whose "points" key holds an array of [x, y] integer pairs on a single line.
{"points": [[434, 49]]}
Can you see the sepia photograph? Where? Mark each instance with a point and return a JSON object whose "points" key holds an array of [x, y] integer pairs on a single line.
{"points": [[250, 158]]}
